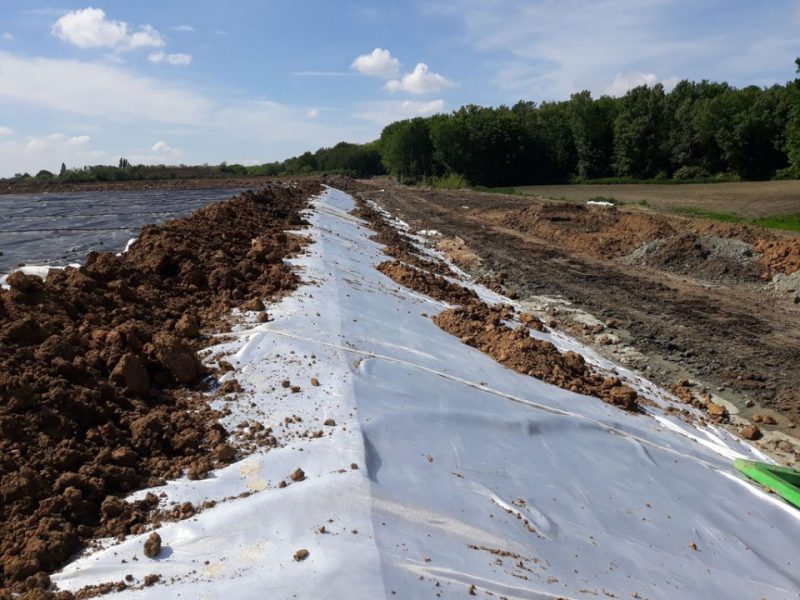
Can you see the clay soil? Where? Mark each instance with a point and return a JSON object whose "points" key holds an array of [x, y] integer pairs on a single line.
{"points": [[697, 308], [100, 382]]}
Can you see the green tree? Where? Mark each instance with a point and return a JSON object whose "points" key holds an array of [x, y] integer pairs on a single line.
{"points": [[551, 128], [693, 127], [592, 125], [793, 126], [641, 133], [407, 150], [486, 146]]}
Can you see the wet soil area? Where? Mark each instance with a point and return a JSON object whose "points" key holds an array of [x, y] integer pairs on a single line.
{"points": [[101, 387], [678, 299]]}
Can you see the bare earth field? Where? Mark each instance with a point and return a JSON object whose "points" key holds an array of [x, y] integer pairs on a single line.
{"points": [[691, 303], [748, 199]]}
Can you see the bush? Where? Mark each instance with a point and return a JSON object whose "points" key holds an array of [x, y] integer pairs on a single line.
{"points": [[45, 175], [451, 181], [689, 173], [787, 173]]}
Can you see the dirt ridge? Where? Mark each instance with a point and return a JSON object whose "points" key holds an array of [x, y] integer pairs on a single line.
{"points": [[100, 382]]}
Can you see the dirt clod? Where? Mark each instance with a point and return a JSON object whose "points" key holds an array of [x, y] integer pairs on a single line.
{"points": [[301, 555], [422, 281], [131, 375], [225, 453], [187, 327], [750, 432], [152, 545]]}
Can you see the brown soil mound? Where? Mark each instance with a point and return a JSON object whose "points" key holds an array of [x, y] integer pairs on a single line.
{"points": [[782, 256], [94, 365], [605, 232], [396, 244], [740, 231], [612, 233], [459, 252], [482, 327], [435, 286], [708, 257]]}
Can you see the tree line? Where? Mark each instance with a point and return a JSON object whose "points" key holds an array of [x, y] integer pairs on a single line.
{"points": [[355, 160], [698, 131]]}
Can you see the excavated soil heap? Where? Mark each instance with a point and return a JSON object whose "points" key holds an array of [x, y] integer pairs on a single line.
{"points": [[435, 286], [481, 326], [599, 231], [689, 246], [94, 369], [782, 256], [708, 257], [396, 244]]}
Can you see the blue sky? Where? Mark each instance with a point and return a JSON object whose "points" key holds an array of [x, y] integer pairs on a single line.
{"points": [[254, 81]]}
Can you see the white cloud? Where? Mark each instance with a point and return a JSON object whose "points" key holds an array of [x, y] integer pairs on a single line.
{"points": [[146, 37], [6, 131], [161, 147], [420, 81], [184, 28], [383, 113], [89, 28], [627, 81], [543, 49], [177, 60], [379, 63], [104, 91], [45, 152], [7, 36], [122, 105], [54, 142], [313, 113], [159, 153], [623, 82]]}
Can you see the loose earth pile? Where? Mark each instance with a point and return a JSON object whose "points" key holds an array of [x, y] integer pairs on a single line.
{"points": [[482, 326], [705, 249], [100, 383], [485, 327]]}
